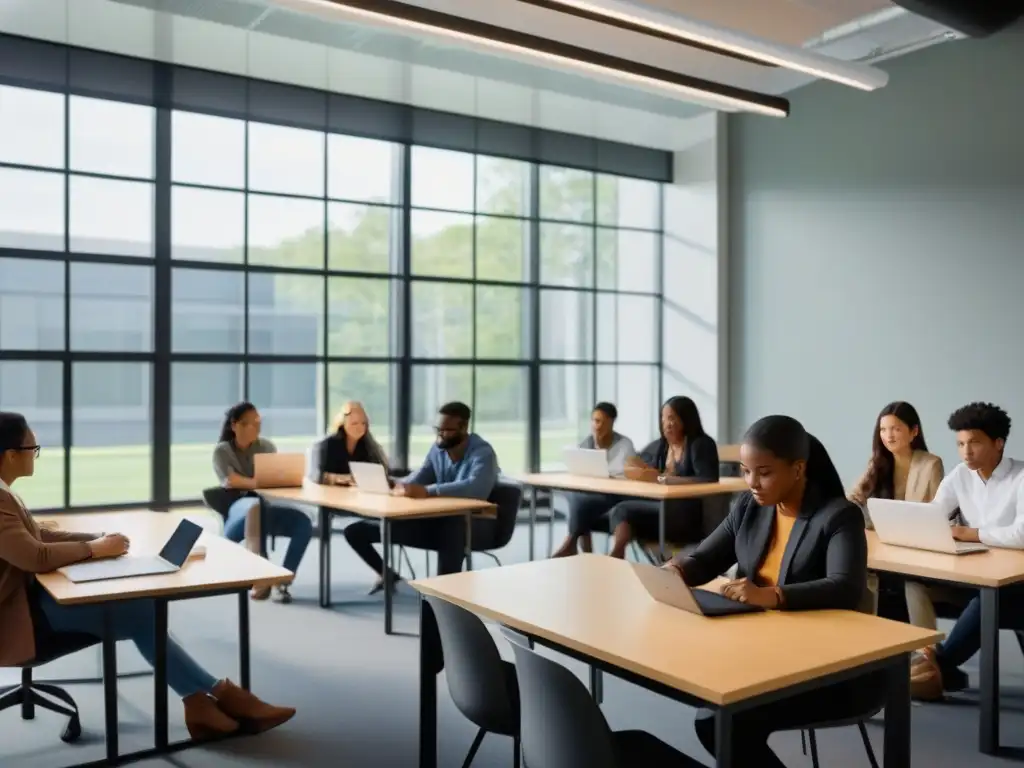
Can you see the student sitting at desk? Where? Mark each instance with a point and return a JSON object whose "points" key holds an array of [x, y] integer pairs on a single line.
{"points": [[349, 440], [586, 509], [683, 454], [458, 464], [799, 545], [988, 488], [30, 619], [235, 466]]}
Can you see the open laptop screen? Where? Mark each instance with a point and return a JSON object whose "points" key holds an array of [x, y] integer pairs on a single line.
{"points": [[177, 548]]}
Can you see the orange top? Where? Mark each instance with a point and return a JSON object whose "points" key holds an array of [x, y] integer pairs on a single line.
{"points": [[768, 572]]}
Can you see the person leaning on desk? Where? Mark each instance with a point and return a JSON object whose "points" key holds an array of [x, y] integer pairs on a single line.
{"points": [[31, 620], [799, 545]]}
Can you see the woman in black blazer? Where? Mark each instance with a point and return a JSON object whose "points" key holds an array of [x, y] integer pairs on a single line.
{"points": [[799, 545], [683, 454]]}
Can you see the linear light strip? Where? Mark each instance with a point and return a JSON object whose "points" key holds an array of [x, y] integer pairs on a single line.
{"points": [[421, 19]]}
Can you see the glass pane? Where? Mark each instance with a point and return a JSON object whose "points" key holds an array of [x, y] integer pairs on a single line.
{"points": [[566, 194], [442, 179], [111, 423], [373, 385], [111, 308], [634, 390], [207, 225], [31, 210], [502, 322], [111, 137], [442, 244], [31, 127], [288, 160], [207, 311], [624, 202], [366, 170], [502, 186], [200, 394], [566, 400], [31, 304], [432, 387], [637, 329], [500, 413], [207, 150], [566, 255], [286, 314], [36, 391], [359, 237], [359, 317], [502, 249], [291, 403], [442, 316], [287, 232], [109, 216], [572, 313], [627, 260], [607, 327]]}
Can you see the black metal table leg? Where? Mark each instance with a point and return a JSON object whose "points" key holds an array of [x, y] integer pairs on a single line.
{"points": [[244, 663], [897, 714], [326, 521], [469, 541], [110, 683], [725, 748], [431, 663], [662, 509], [988, 717], [388, 585], [597, 684], [160, 676], [532, 491]]}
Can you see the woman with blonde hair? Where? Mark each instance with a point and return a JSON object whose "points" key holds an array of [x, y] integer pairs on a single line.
{"points": [[349, 439]]}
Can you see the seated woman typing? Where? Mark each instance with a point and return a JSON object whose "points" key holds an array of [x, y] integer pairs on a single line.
{"points": [[683, 454], [30, 618], [587, 509], [799, 545], [234, 465], [349, 440]]}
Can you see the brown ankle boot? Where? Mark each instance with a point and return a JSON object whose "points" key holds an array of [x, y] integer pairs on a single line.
{"points": [[242, 705], [204, 719]]}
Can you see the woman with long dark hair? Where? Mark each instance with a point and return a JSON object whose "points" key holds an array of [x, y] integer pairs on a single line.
{"points": [[798, 545], [683, 454]]}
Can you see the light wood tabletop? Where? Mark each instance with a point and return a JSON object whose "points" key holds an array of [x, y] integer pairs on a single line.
{"points": [[226, 566], [621, 487], [596, 606], [379, 505], [729, 454], [994, 568]]}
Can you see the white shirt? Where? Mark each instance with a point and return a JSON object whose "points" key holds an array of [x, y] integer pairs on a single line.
{"points": [[995, 508]]}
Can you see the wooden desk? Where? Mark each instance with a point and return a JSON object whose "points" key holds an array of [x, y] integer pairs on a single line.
{"points": [[331, 500], [615, 486], [989, 572], [729, 454], [594, 609], [226, 569]]}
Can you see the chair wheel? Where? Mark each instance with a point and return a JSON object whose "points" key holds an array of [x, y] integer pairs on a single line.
{"points": [[73, 731]]}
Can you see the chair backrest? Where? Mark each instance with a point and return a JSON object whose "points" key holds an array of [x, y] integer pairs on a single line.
{"points": [[561, 725], [220, 499], [507, 497], [477, 678]]}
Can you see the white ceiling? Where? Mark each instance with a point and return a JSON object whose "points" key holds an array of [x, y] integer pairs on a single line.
{"points": [[267, 39]]}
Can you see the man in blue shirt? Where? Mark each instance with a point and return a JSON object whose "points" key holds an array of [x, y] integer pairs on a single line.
{"points": [[458, 464]]}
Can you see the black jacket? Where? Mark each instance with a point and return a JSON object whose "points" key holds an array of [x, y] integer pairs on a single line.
{"points": [[699, 461], [826, 558]]}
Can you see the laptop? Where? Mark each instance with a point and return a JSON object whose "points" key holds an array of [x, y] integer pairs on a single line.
{"points": [[279, 470], [917, 525], [171, 558], [586, 462], [665, 586], [369, 477]]}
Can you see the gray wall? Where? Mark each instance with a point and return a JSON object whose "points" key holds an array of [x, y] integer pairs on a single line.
{"points": [[877, 250]]}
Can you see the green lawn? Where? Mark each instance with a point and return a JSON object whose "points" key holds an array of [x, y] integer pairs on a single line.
{"points": [[121, 474]]}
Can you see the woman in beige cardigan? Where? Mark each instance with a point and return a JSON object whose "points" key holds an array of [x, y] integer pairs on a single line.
{"points": [[901, 468]]}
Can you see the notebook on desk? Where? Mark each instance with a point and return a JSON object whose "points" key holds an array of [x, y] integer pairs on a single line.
{"points": [[667, 587]]}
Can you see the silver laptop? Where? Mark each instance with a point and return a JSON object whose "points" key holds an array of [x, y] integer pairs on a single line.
{"points": [[665, 586], [279, 470], [171, 558], [369, 477], [586, 461], [917, 525]]}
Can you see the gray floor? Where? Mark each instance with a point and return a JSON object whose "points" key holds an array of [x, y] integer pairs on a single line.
{"points": [[356, 691]]}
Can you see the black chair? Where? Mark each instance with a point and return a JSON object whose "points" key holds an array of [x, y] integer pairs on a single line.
{"points": [[29, 694], [491, 534], [220, 500], [483, 687], [563, 727]]}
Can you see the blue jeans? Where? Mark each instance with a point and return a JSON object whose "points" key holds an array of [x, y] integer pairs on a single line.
{"points": [[281, 521], [131, 620], [964, 639]]}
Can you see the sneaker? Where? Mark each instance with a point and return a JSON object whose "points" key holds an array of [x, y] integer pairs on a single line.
{"points": [[282, 594], [378, 586]]}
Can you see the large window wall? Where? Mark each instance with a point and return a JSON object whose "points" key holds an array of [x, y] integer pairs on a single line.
{"points": [[159, 264]]}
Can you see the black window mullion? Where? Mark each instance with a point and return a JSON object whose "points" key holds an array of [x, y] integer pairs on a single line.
{"points": [[403, 416], [67, 401], [534, 376]]}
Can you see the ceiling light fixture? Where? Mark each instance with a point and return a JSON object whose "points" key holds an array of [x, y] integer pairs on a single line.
{"points": [[718, 41], [418, 18]]}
